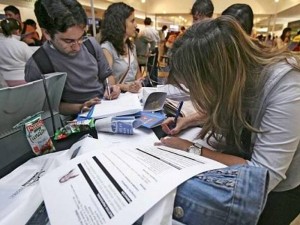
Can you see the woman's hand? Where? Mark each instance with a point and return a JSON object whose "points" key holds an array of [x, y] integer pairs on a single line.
{"points": [[196, 119], [175, 142], [88, 104], [135, 86], [170, 128]]}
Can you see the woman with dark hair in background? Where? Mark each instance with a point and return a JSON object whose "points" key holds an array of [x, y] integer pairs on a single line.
{"points": [[284, 38], [118, 26], [14, 53], [248, 104]]}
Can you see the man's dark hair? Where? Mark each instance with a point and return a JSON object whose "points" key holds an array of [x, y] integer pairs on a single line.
{"points": [[59, 15], [147, 21], [30, 22], [243, 14], [164, 27], [12, 8], [203, 8]]}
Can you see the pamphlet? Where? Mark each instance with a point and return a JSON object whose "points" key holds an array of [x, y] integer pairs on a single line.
{"points": [[118, 124], [116, 186], [152, 99], [152, 119]]}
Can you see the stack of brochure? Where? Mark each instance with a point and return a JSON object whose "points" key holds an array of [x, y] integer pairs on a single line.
{"points": [[171, 106]]}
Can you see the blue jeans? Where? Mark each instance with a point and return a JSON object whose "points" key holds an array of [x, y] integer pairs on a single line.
{"points": [[233, 195]]}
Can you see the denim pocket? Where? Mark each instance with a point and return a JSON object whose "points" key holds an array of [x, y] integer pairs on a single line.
{"points": [[223, 196]]}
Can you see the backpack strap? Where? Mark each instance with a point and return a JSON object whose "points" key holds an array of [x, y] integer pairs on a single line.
{"points": [[88, 44], [44, 63]]}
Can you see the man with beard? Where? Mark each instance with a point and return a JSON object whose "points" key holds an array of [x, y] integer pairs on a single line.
{"points": [[67, 49]]}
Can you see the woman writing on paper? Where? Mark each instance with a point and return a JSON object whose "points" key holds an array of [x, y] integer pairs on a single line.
{"points": [[248, 101], [117, 27]]}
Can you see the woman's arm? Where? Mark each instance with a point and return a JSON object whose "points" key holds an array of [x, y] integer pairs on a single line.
{"points": [[182, 144]]}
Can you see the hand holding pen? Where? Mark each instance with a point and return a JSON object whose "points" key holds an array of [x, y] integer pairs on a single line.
{"points": [[111, 91], [171, 126], [177, 113]]}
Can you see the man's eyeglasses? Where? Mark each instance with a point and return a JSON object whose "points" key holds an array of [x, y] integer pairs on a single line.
{"points": [[72, 42]]}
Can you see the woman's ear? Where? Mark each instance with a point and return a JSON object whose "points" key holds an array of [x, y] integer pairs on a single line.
{"points": [[46, 34]]}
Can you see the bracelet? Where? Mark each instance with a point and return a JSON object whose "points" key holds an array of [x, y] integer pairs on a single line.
{"points": [[195, 148]]}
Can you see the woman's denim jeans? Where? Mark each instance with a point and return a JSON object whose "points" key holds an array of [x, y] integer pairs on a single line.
{"points": [[233, 195]]}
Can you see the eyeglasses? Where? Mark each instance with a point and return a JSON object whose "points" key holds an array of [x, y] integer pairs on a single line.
{"points": [[72, 42]]}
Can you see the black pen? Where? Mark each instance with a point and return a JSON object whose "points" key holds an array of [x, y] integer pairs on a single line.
{"points": [[178, 112]]}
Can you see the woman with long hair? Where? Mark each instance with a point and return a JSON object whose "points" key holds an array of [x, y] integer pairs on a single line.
{"points": [[248, 104], [118, 27]]}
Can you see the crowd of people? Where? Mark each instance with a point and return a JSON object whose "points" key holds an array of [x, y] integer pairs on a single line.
{"points": [[246, 96]]}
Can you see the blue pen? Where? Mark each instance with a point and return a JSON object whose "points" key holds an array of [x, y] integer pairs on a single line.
{"points": [[178, 112]]}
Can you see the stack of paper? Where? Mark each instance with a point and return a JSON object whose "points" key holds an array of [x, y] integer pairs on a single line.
{"points": [[171, 106], [125, 104]]}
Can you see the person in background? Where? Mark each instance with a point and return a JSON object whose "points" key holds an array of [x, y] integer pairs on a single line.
{"points": [[249, 110], [14, 53], [28, 32], [118, 27], [171, 37], [243, 14], [162, 37], [149, 33], [295, 44], [181, 32], [202, 9], [284, 38], [34, 35], [63, 23]]}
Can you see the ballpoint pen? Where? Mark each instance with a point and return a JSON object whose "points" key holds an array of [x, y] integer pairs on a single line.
{"points": [[108, 88], [177, 113]]}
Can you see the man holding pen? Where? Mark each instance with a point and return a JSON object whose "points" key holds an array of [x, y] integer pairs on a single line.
{"points": [[63, 24]]}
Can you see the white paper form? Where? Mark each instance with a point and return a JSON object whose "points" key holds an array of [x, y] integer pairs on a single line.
{"points": [[116, 186], [127, 103]]}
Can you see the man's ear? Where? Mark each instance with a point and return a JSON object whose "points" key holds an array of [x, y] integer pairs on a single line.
{"points": [[46, 34]]}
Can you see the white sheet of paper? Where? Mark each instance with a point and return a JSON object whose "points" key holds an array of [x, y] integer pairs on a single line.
{"points": [[116, 186], [127, 103]]}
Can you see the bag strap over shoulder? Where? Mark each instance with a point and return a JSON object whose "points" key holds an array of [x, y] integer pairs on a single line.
{"points": [[44, 63], [122, 78]]}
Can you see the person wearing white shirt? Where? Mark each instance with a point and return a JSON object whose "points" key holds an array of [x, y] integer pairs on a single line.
{"points": [[14, 53], [149, 33]]}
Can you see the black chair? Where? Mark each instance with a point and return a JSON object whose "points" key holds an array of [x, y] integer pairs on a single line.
{"points": [[152, 69]]}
